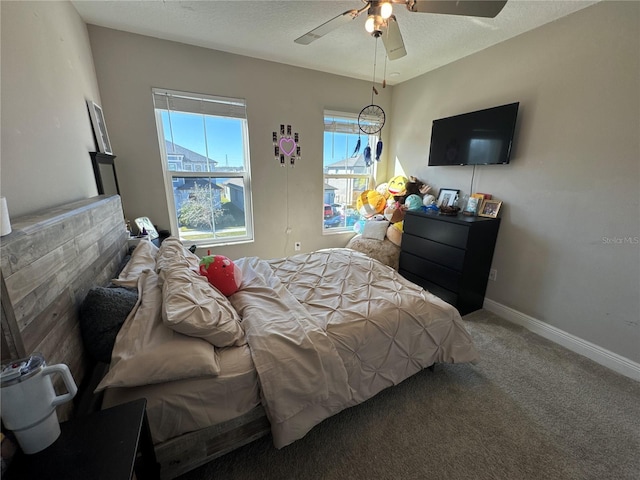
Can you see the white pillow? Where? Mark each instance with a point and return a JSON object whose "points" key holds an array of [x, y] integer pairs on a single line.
{"points": [[193, 307], [375, 229], [143, 258]]}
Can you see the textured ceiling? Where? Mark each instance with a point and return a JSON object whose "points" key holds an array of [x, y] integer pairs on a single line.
{"points": [[267, 29]]}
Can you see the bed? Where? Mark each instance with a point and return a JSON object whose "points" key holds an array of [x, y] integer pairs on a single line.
{"points": [[305, 337]]}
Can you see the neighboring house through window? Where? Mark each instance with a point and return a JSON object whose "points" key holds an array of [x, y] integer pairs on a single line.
{"points": [[204, 142], [346, 173]]}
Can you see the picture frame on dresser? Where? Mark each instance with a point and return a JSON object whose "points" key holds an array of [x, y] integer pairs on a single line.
{"points": [[490, 208], [447, 197], [471, 208]]}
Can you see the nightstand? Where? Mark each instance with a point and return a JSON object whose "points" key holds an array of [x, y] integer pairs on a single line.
{"points": [[112, 444]]}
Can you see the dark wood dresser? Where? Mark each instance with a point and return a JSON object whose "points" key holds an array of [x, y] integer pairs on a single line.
{"points": [[449, 256]]}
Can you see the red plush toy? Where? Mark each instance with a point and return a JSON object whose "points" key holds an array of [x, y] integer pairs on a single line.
{"points": [[222, 273]]}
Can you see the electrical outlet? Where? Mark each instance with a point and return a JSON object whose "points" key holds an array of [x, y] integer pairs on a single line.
{"points": [[493, 274], [297, 246]]}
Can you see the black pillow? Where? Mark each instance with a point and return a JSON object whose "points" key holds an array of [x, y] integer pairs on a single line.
{"points": [[102, 313]]}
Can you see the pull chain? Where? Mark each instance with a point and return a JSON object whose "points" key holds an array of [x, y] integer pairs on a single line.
{"points": [[384, 75], [373, 85]]}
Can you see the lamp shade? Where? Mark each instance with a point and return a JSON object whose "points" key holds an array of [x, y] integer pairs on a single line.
{"points": [[5, 223]]}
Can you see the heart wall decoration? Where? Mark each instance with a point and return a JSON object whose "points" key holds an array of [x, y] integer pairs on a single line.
{"points": [[286, 145]]}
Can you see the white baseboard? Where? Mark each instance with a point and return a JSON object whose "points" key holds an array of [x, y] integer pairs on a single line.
{"points": [[598, 354]]}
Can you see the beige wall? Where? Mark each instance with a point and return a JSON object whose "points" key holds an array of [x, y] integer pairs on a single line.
{"points": [[275, 94], [574, 180], [47, 75]]}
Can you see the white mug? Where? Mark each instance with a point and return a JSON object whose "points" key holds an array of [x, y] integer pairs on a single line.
{"points": [[29, 406]]}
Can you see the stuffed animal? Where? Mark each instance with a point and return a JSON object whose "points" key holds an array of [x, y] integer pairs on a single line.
{"points": [[370, 203], [413, 202], [222, 273], [394, 213], [358, 227], [397, 186], [383, 189], [416, 187], [394, 233], [428, 200]]}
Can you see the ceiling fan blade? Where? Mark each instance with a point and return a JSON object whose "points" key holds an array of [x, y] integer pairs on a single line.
{"points": [[392, 39], [471, 8], [329, 26]]}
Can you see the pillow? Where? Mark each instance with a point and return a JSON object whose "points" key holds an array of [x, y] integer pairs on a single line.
{"points": [[193, 307], [143, 258], [102, 313], [375, 230], [172, 253], [147, 352]]}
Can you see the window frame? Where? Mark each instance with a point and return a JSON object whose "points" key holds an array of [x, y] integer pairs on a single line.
{"points": [[171, 176], [368, 177]]}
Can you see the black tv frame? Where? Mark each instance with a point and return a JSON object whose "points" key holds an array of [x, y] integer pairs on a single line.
{"points": [[493, 129]]}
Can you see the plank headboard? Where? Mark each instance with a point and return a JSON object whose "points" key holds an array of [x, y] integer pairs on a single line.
{"points": [[49, 262]]}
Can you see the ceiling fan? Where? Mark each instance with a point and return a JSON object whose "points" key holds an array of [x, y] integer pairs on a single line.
{"points": [[382, 23]]}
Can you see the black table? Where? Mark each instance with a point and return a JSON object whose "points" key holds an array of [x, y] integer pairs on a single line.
{"points": [[110, 444]]}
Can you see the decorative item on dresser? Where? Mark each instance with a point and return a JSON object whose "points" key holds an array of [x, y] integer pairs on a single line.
{"points": [[447, 197], [449, 256], [490, 208]]}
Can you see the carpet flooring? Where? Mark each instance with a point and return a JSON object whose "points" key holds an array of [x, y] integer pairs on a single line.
{"points": [[529, 409]]}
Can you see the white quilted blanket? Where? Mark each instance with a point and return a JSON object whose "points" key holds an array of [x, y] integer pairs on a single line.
{"points": [[332, 328]]}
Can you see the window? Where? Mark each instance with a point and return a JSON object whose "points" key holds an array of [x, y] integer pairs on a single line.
{"points": [[346, 172], [204, 143]]}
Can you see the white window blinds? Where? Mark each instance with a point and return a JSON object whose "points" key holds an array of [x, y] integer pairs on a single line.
{"points": [[203, 104], [341, 122]]}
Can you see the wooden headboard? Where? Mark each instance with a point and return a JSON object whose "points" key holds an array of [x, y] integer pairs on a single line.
{"points": [[49, 262]]}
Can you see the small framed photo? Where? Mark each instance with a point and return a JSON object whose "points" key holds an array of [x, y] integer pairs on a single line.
{"points": [[99, 127], [471, 208], [447, 197], [490, 208]]}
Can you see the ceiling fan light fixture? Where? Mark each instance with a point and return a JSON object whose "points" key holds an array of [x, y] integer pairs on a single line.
{"points": [[370, 24], [386, 9]]}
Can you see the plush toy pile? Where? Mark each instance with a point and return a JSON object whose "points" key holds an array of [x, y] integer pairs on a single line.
{"points": [[389, 202]]}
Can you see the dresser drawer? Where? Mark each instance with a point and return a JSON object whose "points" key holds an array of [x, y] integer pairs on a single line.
{"points": [[444, 294], [432, 272], [437, 230], [446, 255]]}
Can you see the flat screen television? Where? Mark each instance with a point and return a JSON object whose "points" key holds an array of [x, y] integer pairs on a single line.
{"points": [[484, 137]]}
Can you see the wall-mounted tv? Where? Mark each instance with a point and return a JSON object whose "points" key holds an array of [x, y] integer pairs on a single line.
{"points": [[484, 137]]}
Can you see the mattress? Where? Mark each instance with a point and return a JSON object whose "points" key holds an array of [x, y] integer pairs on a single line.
{"points": [[181, 406]]}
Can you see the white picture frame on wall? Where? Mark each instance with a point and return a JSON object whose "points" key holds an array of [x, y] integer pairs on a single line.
{"points": [[99, 128]]}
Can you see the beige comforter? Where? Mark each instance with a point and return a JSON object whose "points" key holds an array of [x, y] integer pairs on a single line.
{"points": [[332, 328]]}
